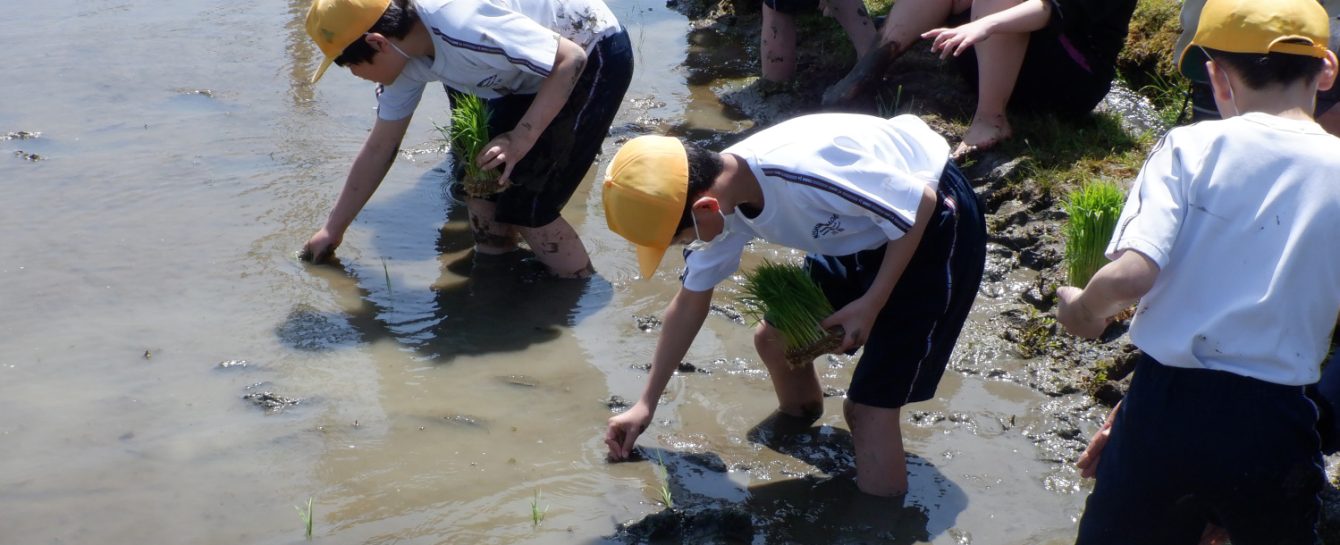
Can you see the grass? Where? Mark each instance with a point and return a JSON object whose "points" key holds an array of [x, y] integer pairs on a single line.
{"points": [[1093, 209], [536, 514], [1037, 336], [887, 107], [306, 517], [786, 298], [663, 480], [468, 134]]}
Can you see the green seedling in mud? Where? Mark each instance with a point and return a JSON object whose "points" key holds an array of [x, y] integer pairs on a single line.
{"points": [[386, 272], [537, 514], [306, 517], [888, 108], [1093, 210], [786, 298], [468, 133], [663, 480]]}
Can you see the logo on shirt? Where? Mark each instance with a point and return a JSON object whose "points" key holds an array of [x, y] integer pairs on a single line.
{"points": [[488, 83], [830, 227]]}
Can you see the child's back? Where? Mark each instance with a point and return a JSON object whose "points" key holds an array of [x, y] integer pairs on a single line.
{"points": [[1243, 218]]}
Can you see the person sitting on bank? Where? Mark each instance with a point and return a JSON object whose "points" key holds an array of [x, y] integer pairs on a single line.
{"points": [[777, 42], [1048, 55], [554, 74], [896, 240]]}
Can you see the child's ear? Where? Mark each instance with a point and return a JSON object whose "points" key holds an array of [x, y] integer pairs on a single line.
{"points": [[709, 204], [1330, 66]]}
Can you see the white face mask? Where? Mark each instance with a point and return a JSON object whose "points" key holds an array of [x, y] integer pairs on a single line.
{"points": [[393, 46], [699, 244]]}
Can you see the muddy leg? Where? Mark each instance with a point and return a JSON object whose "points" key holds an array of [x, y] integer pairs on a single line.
{"points": [[491, 237], [777, 43], [798, 392], [854, 18], [998, 62], [559, 248], [881, 463], [907, 21]]}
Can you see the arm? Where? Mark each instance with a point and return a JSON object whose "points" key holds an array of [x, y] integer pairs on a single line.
{"points": [[366, 174], [1086, 312], [857, 317], [508, 148], [1027, 16], [683, 318]]}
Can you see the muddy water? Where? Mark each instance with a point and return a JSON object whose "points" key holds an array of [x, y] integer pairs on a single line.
{"points": [[173, 158]]}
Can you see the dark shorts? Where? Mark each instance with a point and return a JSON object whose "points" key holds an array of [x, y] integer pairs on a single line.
{"points": [[548, 175], [793, 7], [1190, 446], [1054, 76], [914, 334]]}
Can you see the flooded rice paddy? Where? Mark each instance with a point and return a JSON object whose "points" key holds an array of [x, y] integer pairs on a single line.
{"points": [[170, 373]]}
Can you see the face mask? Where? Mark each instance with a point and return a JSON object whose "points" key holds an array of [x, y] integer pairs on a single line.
{"points": [[699, 244], [397, 49], [1232, 100]]}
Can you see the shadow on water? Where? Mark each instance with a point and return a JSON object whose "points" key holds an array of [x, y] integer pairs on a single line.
{"points": [[811, 509], [480, 304]]}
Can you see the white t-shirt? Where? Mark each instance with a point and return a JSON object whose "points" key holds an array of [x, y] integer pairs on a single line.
{"points": [[833, 184], [1242, 217], [493, 48]]}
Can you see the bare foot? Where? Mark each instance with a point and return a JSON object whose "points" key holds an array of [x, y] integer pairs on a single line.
{"points": [[984, 133]]}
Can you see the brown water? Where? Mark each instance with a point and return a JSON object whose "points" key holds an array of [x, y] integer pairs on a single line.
{"points": [[183, 158]]}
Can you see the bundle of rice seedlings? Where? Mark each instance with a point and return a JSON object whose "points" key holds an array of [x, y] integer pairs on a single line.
{"points": [[1094, 209], [786, 298], [468, 133]]}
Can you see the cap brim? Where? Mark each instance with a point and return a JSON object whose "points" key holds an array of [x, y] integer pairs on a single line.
{"points": [[648, 258], [321, 71], [1193, 64]]}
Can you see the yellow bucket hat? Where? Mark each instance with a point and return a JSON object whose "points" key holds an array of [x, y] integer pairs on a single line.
{"points": [[1296, 27], [645, 190], [334, 24]]}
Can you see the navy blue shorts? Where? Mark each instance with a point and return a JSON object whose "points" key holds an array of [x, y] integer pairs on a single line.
{"points": [[911, 339], [549, 174], [1190, 446]]}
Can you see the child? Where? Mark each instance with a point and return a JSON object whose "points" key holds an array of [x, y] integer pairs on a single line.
{"points": [[777, 43], [1056, 55], [895, 239], [553, 71], [1222, 242]]}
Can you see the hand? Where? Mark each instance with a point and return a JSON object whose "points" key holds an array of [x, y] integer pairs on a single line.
{"points": [[856, 320], [505, 150], [1075, 317], [624, 429], [958, 39], [321, 246], [1088, 460]]}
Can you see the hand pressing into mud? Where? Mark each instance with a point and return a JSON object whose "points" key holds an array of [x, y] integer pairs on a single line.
{"points": [[321, 247], [624, 428], [505, 150], [856, 319], [954, 41]]}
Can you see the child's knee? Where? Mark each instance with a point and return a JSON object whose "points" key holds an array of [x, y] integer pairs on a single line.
{"points": [[767, 338]]}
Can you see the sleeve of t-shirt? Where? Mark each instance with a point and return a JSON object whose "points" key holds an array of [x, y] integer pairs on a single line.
{"points": [[399, 99], [1155, 208], [505, 40], [704, 269]]}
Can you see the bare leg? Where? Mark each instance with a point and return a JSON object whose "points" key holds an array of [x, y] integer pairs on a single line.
{"points": [[798, 392], [559, 248], [998, 60], [778, 44], [907, 21], [881, 463], [1330, 119], [491, 237], [854, 18]]}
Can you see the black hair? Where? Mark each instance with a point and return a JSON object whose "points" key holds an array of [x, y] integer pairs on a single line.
{"points": [[704, 167], [1261, 71], [396, 22]]}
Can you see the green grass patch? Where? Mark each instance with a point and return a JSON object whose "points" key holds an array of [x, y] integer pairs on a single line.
{"points": [[468, 134], [785, 297], [1093, 210], [1060, 155]]}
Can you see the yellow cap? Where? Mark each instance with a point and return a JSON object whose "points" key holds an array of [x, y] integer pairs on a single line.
{"points": [[646, 188], [1297, 27], [334, 24]]}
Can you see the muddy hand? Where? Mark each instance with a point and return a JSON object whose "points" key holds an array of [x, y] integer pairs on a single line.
{"points": [[623, 430], [505, 150], [319, 248], [855, 319]]}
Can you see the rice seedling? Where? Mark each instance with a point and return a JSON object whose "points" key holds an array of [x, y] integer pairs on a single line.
{"points": [[468, 133], [663, 479], [306, 516], [537, 514], [786, 298], [386, 271], [1094, 209]]}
